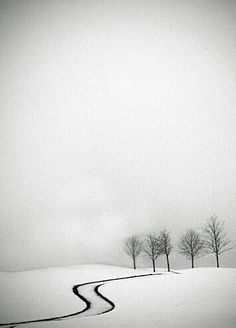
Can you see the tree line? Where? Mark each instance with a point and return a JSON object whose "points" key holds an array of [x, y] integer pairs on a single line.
{"points": [[192, 244]]}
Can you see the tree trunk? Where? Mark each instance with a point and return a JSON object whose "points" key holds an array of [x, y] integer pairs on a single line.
{"points": [[217, 260], [134, 262], [192, 258], [168, 263], [153, 265]]}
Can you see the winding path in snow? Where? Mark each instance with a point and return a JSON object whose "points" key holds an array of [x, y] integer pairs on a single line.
{"points": [[99, 304]]}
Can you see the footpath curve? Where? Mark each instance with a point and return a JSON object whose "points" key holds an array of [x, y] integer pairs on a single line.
{"points": [[75, 289]]}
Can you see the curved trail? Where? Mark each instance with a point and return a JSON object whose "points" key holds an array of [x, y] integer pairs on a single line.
{"points": [[75, 290], [105, 299]]}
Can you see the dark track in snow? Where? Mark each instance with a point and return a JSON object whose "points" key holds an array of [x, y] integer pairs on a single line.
{"points": [[75, 290]]}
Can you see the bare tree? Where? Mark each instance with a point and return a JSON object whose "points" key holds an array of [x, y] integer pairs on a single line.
{"points": [[191, 245], [152, 249], [165, 245], [215, 238], [133, 247]]}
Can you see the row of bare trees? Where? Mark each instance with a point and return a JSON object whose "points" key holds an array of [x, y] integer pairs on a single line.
{"points": [[153, 246], [192, 244]]}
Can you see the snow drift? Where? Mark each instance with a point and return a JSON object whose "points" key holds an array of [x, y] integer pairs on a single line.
{"points": [[200, 297]]}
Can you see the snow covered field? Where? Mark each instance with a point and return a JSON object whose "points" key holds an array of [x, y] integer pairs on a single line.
{"points": [[204, 297]]}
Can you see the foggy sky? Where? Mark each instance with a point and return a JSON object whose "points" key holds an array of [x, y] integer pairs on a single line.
{"points": [[116, 117]]}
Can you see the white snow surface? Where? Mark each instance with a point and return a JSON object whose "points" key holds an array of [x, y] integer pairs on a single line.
{"points": [[200, 297]]}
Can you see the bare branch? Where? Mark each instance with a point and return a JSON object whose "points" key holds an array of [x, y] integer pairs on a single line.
{"points": [[152, 248], [133, 248], [215, 237], [164, 242], [165, 245], [191, 245]]}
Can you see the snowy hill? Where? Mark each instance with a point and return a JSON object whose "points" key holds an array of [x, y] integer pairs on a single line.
{"points": [[204, 297]]}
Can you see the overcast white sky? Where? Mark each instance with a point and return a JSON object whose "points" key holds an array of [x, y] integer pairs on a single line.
{"points": [[115, 117]]}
